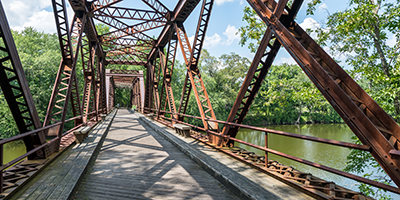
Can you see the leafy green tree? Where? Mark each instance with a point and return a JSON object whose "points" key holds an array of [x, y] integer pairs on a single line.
{"points": [[362, 34], [40, 57]]}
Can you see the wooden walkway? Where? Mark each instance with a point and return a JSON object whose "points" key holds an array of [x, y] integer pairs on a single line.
{"points": [[135, 162], [59, 179], [138, 158]]}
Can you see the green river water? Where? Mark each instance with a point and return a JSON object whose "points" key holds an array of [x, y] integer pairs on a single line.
{"points": [[325, 154], [13, 150]]}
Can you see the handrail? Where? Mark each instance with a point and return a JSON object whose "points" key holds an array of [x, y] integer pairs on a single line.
{"points": [[20, 136], [16, 160], [17, 137], [300, 160], [293, 135]]}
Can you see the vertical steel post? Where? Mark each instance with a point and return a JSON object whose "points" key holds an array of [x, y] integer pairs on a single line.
{"points": [[141, 87], [1, 171], [266, 152]]}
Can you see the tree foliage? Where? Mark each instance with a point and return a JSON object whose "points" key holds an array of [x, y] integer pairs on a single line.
{"points": [[286, 96], [366, 34], [40, 57]]}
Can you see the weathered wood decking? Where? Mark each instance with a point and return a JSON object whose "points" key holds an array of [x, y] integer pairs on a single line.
{"points": [[59, 179], [135, 162], [142, 159]]}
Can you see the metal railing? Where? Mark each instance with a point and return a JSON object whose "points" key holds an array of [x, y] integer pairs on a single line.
{"points": [[38, 148], [282, 133]]}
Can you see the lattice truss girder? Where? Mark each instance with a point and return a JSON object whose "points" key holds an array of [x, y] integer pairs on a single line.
{"points": [[14, 87], [121, 42], [65, 88], [132, 14], [259, 68], [193, 80]]}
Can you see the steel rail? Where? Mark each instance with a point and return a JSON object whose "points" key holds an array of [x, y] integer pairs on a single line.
{"points": [[300, 160], [16, 160], [293, 135], [20, 136]]}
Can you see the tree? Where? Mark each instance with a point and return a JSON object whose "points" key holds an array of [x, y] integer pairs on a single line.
{"points": [[361, 33], [40, 57]]}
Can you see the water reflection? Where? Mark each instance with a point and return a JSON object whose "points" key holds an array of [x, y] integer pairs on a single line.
{"points": [[13, 150], [329, 155]]}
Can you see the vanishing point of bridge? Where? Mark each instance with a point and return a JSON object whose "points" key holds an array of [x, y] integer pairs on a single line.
{"points": [[115, 153]]}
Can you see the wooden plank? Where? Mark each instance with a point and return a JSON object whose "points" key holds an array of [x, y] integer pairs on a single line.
{"points": [[135, 162], [74, 176], [59, 179]]}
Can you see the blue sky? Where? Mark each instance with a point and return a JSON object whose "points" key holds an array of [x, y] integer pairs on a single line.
{"points": [[221, 39]]}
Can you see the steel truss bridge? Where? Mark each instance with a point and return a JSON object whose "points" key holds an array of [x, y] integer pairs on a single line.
{"points": [[128, 44]]}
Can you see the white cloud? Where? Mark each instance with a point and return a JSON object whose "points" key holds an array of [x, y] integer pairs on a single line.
{"points": [[216, 39], [391, 40], [212, 41], [34, 13], [42, 21], [209, 41], [310, 23], [322, 7], [230, 32], [287, 60], [220, 2]]}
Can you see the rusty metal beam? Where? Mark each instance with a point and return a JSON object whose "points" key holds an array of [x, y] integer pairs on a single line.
{"points": [[16, 90], [180, 14], [102, 4], [133, 30], [127, 58], [167, 68], [65, 80], [126, 62], [258, 68], [132, 14], [193, 73], [370, 123], [158, 7], [123, 27]]}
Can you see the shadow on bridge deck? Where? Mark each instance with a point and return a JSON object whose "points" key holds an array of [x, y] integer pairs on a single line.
{"points": [[135, 162], [142, 159]]}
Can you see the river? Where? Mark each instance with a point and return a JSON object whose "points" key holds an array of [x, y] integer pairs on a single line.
{"points": [[324, 154], [13, 150]]}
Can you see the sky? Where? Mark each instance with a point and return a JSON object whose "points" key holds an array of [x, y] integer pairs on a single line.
{"points": [[221, 37]]}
